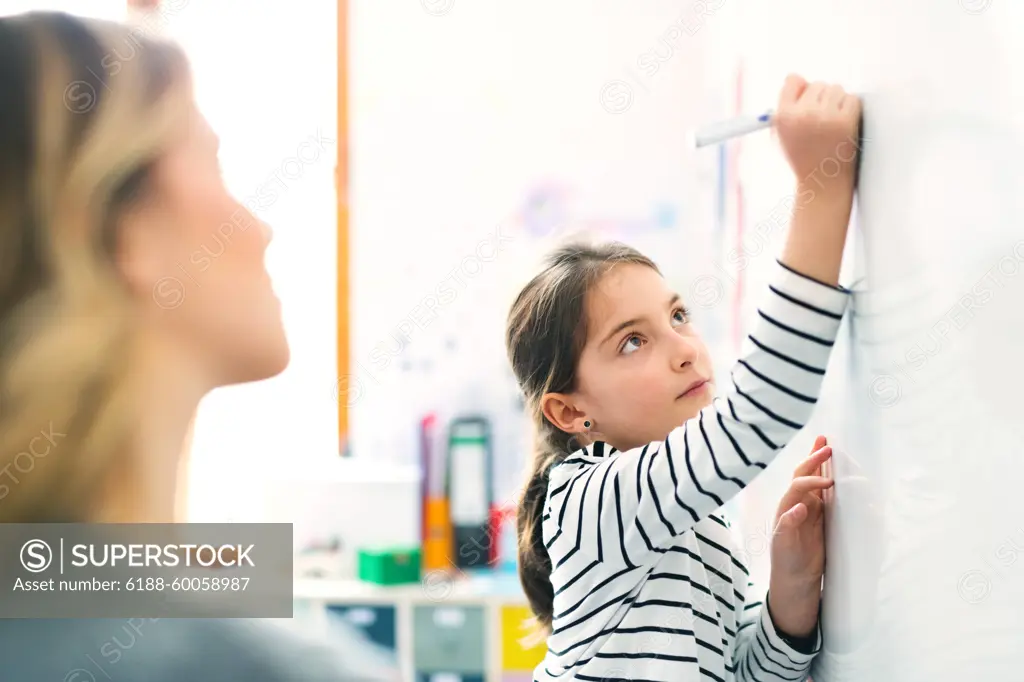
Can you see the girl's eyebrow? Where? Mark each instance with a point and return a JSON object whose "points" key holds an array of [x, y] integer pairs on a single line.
{"points": [[673, 301], [620, 327]]}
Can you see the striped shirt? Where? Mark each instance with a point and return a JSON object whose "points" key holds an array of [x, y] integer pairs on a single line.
{"points": [[647, 585]]}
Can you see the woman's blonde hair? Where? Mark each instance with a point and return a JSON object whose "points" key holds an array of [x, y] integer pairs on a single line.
{"points": [[86, 109]]}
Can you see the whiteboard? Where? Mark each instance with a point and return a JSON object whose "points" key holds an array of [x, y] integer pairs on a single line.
{"points": [[924, 580]]}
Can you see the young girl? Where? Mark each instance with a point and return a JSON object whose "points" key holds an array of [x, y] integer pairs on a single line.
{"points": [[625, 564]]}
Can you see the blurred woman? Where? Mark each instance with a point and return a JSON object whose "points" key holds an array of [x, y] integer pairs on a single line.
{"points": [[110, 333]]}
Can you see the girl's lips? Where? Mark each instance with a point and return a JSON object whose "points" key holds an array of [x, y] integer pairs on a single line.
{"points": [[695, 389]]}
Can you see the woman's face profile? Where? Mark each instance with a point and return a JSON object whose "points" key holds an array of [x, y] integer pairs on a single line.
{"points": [[195, 258]]}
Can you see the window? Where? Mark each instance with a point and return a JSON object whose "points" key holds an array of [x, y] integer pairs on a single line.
{"points": [[266, 78]]}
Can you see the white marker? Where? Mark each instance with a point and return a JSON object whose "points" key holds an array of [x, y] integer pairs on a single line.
{"points": [[717, 133]]}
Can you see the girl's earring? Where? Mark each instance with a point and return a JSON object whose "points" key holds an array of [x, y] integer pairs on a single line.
{"points": [[587, 424]]}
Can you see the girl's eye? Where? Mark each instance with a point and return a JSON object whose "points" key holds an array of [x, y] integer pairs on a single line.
{"points": [[633, 343], [681, 316]]}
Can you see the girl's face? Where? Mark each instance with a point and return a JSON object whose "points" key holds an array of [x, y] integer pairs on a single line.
{"points": [[644, 370]]}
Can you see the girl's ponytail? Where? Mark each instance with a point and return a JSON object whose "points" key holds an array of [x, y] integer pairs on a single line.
{"points": [[552, 446]]}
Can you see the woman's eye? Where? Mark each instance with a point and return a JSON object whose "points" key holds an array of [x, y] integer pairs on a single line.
{"points": [[633, 343]]}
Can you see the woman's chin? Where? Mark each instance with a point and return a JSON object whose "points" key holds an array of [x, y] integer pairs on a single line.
{"points": [[280, 359], [264, 360]]}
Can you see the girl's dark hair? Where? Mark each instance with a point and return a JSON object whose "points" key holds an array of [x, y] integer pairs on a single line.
{"points": [[547, 329]]}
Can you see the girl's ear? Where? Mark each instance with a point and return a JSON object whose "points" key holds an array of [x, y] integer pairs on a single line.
{"points": [[561, 410]]}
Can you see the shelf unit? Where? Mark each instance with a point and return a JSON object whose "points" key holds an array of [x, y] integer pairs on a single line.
{"points": [[443, 629]]}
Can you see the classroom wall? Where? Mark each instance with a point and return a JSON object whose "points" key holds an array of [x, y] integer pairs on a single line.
{"points": [[484, 133]]}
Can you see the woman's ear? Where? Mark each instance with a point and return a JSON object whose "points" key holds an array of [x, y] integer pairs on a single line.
{"points": [[561, 410], [142, 251]]}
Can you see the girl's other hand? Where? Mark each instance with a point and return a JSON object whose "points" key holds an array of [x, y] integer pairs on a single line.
{"points": [[798, 547], [798, 544]]}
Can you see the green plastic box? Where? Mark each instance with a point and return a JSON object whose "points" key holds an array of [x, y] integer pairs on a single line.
{"points": [[396, 566]]}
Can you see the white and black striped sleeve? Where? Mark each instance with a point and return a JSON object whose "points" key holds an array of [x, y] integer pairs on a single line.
{"points": [[762, 654], [639, 500]]}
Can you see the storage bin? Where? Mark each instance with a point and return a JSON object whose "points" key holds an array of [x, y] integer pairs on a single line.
{"points": [[389, 566], [449, 677], [514, 657], [450, 639], [376, 623]]}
